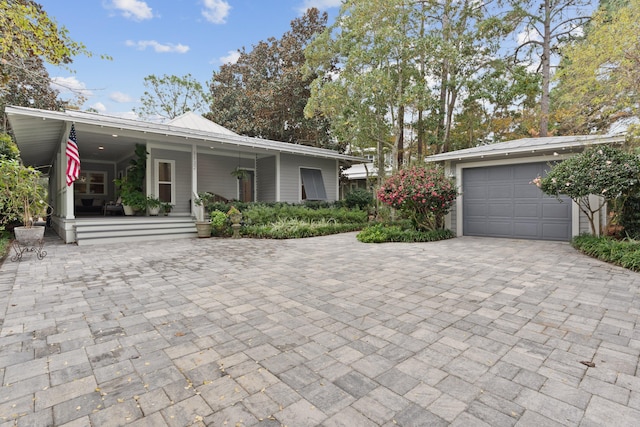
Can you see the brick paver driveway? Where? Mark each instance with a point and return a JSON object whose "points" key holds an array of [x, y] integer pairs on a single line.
{"points": [[322, 331]]}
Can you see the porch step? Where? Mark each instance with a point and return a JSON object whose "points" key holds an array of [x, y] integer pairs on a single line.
{"points": [[95, 231]]}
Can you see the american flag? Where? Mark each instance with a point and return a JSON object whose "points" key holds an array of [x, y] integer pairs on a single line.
{"points": [[73, 157]]}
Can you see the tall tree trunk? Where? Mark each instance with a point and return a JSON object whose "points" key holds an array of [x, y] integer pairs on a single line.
{"points": [[441, 133], [400, 137], [546, 71]]}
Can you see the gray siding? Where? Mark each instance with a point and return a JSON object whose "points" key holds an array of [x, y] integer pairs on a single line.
{"points": [[183, 176], [214, 174], [290, 176], [266, 179]]}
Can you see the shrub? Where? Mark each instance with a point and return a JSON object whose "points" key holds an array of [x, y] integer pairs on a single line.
{"points": [[604, 171], [424, 194], [358, 198], [625, 253], [380, 233], [218, 223], [295, 228]]}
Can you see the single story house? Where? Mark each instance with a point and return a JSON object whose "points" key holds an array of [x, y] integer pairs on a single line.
{"points": [[187, 155], [497, 198]]}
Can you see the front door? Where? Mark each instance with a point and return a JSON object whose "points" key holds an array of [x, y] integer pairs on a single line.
{"points": [[165, 180], [246, 186]]}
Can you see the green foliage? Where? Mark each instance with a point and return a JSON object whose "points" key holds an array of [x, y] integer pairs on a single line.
{"points": [[422, 193], [5, 242], [381, 233], [630, 216], [358, 198], [171, 96], [297, 228], [131, 187], [600, 170], [22, 195], [262, 214], [219, 223], [8, 148], [263, 94], [625, 253]]}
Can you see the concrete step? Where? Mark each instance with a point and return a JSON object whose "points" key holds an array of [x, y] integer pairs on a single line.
{"points": [[130, 229]]}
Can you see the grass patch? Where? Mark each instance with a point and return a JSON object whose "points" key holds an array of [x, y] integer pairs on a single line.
{"points": [[625, 253], [381, 233]]}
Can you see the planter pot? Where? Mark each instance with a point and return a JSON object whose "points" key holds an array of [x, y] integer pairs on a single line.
{"points": [[204, 228], [154, 211], [29, 236], [128, 210]]}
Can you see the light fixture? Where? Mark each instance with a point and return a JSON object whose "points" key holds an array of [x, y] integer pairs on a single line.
{"points": [[114, 135], [100, 147]]}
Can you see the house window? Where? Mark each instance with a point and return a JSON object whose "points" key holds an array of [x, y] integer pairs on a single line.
{"points": [[93, 183], [312, 184], [165, 180]]}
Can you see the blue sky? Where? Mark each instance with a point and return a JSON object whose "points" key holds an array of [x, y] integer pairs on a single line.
{"points": [[173, 37]]}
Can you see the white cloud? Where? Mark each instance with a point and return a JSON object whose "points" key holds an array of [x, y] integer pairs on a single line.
{"points": [[120, 97], [158, 47], [132, 9], [319, 4], [70, 86], [231, 58], [99, 107], [216, 11]]}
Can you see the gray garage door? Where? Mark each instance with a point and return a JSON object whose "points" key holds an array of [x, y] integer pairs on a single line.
{"points": [[500, 201]]}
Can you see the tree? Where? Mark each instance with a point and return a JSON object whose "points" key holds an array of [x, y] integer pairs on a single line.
{"points": [[28, 39], [546, 25], [264, 93], [425, 194], [170, 96], [605, 171], [384, 61], [599, 82]]}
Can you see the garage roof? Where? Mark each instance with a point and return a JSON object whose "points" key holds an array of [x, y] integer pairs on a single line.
{"points": [[527, 146]]}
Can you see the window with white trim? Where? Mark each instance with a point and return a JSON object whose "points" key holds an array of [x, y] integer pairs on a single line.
{"points": [[312, 184]]}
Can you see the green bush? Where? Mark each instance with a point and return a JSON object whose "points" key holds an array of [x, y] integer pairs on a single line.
{"points": [[380, 233], [625, 253], [263, 214], [296, 228], [358, 198], [219, 223]]}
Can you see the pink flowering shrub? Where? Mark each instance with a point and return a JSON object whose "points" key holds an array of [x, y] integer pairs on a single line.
{"points": [[424, 194]]}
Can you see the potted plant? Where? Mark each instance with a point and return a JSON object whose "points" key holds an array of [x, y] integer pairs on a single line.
{"points": [[239, 173], [131, 186], [166, 208], [203, 226], [153, 205], [22, 200]]}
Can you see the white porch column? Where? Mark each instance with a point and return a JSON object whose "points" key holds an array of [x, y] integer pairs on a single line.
{"points": [[277, 177], [196, 210], [67, 191]]}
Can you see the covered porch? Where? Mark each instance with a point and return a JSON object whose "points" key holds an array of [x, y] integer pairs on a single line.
{"points": [[186, 156]]}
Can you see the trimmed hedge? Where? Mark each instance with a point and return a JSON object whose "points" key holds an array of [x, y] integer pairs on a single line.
{"points": [[625, 253], [381, 233]]}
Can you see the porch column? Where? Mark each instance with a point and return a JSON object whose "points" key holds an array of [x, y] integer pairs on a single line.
{"points": [[277, 177], [196, 210], [66, 190]]}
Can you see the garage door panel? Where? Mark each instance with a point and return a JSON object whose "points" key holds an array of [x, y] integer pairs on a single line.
{"points": [[500, 210], [500, 201], [499, 173], [526, 210], [527, 191], [526, 230], [555, 231], [500, 228], [556, 211], [527, 171], [500, 191]]}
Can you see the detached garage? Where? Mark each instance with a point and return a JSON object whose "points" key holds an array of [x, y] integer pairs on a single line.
{"points": [[497, 198]]}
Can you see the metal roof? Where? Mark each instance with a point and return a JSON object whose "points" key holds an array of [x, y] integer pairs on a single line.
{"points": [[526, 146], [39, 133]]}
